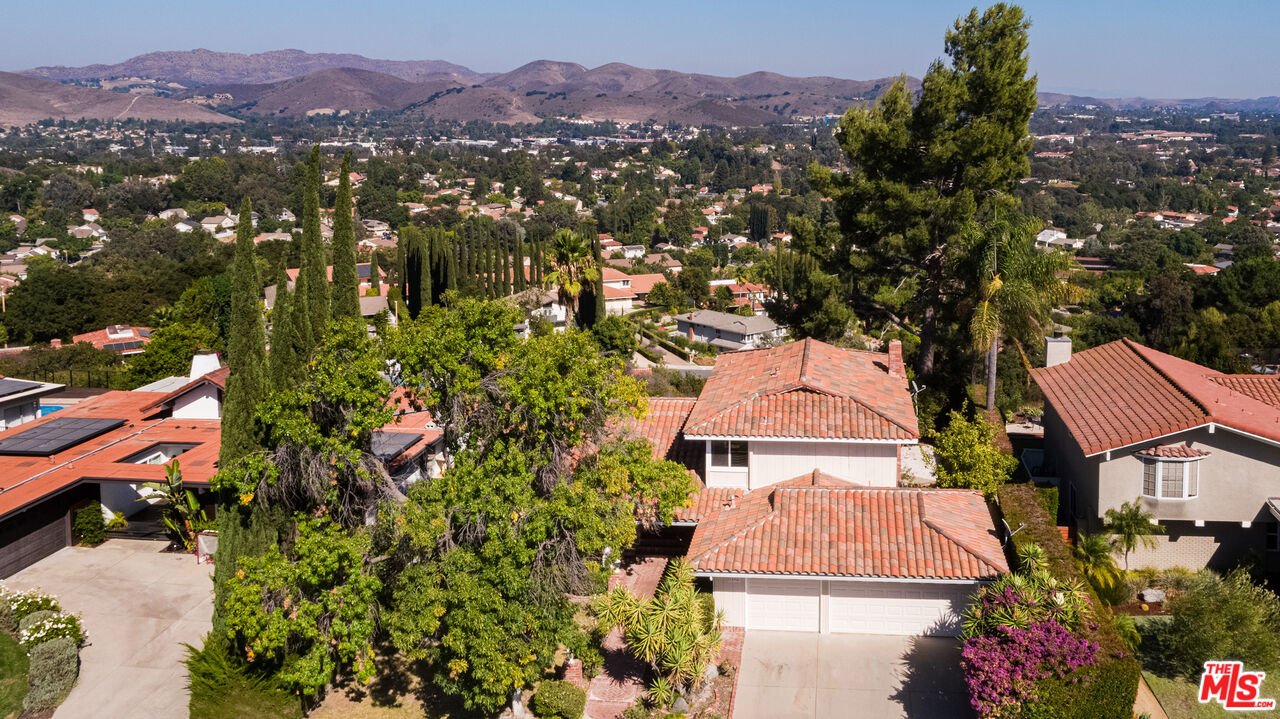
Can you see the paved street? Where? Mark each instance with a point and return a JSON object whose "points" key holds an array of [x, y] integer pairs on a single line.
{"points": [[793, 675], [138, 607]]}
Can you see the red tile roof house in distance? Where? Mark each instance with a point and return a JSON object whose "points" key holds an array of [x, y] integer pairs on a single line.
{"points": [[119, 338], [838, 548], [1198, 448], [42, 477]]}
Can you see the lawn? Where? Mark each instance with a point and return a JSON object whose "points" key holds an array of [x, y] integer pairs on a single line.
{"points": [[13, 676]]}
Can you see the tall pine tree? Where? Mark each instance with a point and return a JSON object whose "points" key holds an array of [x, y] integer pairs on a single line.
{"points": [[346, 282]]}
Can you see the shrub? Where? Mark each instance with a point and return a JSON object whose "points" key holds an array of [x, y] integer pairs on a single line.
{"points": [[556, 699], [966, 455], [87, 527], [1224, 618], [1003, 669], [23, 603], [1105, 691], [52, 673], [222, 685], [1049, 498], [34, 618], [52, 627]]}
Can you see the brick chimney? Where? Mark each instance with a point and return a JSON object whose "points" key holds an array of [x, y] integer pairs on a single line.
{"points": [[896, 368], [55, 344], [691, 339]]}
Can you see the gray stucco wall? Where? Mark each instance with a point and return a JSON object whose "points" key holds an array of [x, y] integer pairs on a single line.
{"points": [[1236, 479]]}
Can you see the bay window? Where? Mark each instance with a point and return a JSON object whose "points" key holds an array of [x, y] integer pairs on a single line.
{"points": [[1172, 478]]}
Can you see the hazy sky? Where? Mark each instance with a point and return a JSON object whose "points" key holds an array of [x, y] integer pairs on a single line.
{"points": [[1171, 48]]}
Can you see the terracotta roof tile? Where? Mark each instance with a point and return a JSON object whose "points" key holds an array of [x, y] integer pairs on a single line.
{"points": [[1122, 393], [804, 389], [820, 525], [1177, 451]]}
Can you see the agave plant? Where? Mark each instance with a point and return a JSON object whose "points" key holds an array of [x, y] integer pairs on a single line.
{"points": [[1032, 557]]}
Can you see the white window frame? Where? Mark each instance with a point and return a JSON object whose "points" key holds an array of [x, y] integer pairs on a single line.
{"points": [[729, 467], [1187, 470]]}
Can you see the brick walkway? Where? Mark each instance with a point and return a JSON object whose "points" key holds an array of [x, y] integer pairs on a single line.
{"points": [[622, 680], [732, 639]]}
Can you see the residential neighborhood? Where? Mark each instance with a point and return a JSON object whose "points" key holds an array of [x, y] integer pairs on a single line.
{"points": [[712, 387]]}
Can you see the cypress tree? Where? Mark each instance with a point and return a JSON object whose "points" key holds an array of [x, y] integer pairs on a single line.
{"points": [[312, 291], [346, 281], [283, 359], [504, 268], [299, 310], [521, 279], [246, 349]]}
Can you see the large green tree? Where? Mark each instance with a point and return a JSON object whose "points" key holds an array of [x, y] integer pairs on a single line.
{"points": [[921, 173], [346, 281], [312, 287]]}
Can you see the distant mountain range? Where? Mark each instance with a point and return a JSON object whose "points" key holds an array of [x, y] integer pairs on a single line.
{"points": [[296, 83], [24, 100]]}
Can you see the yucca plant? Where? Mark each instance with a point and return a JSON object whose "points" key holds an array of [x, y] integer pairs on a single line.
{"points": [[677, 632]]}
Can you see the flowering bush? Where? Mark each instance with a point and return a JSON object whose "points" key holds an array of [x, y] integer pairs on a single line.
{"points": [[58, 625], [24, 603], [1002, 668], [1020, 600]]}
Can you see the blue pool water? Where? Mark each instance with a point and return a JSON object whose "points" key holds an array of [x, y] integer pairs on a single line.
{"points": [[49, 408]]}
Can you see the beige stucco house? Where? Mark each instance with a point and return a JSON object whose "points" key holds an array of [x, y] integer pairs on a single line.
{"points": [[1198, 448]]}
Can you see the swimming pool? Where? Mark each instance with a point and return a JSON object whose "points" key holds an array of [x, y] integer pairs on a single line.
{"points": [[49, 408]]}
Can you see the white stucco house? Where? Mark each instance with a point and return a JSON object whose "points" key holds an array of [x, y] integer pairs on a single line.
{"points": [[800, 524]]}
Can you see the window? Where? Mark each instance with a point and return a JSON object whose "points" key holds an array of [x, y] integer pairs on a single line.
{"points": [[729, 454], [1176, 479], [1273, 537]]}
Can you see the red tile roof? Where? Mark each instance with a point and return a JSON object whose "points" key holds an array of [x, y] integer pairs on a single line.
{"points": [[1122, 393], [617, 293], [1175, 451], [819, 525], [25, 480], [661, 426], [805, 389], [115, 334], [217, 377]]}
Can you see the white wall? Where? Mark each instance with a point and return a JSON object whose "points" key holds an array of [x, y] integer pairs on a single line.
{"points": [[731, 598], [872, 465], [120, 497], [199, 403]]}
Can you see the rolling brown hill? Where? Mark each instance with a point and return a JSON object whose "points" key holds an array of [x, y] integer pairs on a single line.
{"points": [[545, 88], [192, 68], [24, 100]]}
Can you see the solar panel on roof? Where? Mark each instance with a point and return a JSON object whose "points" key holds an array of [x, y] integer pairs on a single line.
{"points": [[389, 445], [122, 346], [56, 435], [14, 386]]}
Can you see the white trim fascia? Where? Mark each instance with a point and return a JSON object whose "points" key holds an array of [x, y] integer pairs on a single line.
{"points": [[1243, 433], [721, 437], [832, 578]]}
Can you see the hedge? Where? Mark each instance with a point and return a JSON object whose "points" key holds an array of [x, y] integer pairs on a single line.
{"points": [[1049, 498], [664, 343], [52, 673], [557, 699], [1104, 691], [35, 618], [649, 354]]}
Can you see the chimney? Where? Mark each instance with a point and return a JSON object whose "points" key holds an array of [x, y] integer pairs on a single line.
{"points": [[1057, 349], [55, 344], [204, 363], [896, 368]]}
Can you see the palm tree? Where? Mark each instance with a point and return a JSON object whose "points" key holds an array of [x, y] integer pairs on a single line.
{"points": [[1019, 288], [1094, 554], [572, 264], [1132, 525]]}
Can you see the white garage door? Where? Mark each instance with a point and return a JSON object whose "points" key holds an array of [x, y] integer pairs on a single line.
{"points": [[783, 605], [897, 607]]}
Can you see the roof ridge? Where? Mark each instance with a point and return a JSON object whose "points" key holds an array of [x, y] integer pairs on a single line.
{"points": [[1133, 347], [935, 526]]}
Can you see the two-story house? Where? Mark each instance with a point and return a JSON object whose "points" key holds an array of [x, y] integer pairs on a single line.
{"points": [[728, 331], [1198, 448], [800, 524]]}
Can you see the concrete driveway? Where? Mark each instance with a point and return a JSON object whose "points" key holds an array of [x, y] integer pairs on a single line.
{"points": [[848, 676], [138, 607]]}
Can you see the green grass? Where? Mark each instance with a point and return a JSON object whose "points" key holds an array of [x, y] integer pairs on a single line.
{"points": [[13, 676]]}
